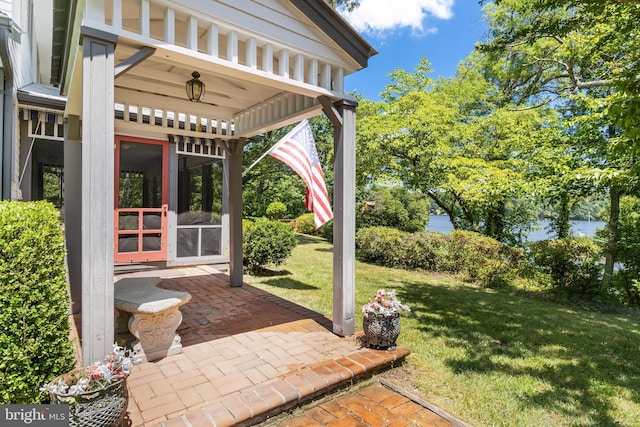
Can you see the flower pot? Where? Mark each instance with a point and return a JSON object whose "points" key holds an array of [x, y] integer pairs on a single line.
{"points": [[381, 330], [104, 407]]}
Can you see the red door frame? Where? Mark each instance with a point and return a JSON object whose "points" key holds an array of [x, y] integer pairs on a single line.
{"points": [[141, 255]]}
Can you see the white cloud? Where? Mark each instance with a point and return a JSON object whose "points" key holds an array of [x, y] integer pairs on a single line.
{"points": [[381, 16]]}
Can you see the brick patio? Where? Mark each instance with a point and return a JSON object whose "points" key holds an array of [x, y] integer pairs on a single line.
{"points": [[247, 356]]}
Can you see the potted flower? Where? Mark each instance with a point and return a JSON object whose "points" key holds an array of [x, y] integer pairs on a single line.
{"points": [[96, 394], [381, 322]]}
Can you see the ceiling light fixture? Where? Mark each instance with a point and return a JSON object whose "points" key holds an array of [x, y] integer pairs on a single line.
{"points": [[195, 88]]}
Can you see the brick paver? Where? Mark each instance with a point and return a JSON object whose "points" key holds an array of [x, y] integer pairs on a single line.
{"points": [[364, 408], [247, 355]]}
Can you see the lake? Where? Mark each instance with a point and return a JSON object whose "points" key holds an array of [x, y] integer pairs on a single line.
{"points": [[441, 224]]}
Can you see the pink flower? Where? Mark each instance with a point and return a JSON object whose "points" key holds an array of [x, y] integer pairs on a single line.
{"points": [[384, 303]]}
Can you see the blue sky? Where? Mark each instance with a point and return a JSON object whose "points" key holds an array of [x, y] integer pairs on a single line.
{"points": [[404, 31]]}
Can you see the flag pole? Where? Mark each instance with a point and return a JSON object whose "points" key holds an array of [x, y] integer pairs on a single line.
{"points": [[271, 149], [256, 162]]}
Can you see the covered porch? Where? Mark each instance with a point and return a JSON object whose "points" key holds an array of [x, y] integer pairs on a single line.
{"points": [[124, 68], [247, 355]]}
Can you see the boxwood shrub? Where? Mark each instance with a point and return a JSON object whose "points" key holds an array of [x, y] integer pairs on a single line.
{"points": [[304, 224], [266, 242], [34, 302]]}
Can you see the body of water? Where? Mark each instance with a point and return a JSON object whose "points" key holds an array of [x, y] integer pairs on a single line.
{"points": [[441, 224]]}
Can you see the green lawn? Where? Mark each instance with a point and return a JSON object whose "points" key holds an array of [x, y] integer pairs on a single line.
{"points": [[490, 357]]}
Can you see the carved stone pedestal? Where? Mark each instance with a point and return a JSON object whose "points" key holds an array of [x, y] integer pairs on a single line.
{"points": [[156, 334], [155, 316]]}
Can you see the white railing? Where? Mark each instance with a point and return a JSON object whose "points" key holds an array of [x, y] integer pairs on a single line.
{"points": [[182, 123], [171, 23]]}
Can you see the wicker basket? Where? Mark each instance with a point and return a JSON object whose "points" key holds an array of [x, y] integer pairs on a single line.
{"points": [[100, 408], [381, 331]]}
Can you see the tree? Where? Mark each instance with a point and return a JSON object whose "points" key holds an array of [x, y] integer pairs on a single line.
{"points": [[628, 250], [577, 53], [393, 206], [447, 139], [344, 4], [272, 180]]}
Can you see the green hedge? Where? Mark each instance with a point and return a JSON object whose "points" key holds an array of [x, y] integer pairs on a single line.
{"points": [[382, 246], [266, 242], [477, 258], [572, 263], [34, 303], [483, 259]]}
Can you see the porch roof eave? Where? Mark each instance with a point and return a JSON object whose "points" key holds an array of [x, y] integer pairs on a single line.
{"points": [[338, 29], [270, 111], [328, 61]]}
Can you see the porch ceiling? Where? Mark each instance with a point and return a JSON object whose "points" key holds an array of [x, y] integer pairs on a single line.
{"points": [[162, 79], [253, 101], [265, 64]]}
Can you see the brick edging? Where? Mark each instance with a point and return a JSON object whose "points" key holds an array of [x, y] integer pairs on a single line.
{"points": [[257, 404]]}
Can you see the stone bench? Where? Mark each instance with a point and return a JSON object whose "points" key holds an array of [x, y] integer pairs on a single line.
{"points": [[155, 316]]}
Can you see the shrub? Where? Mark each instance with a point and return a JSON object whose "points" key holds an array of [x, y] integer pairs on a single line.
{"points": [[266, 242], [276, 210], [304, 224], [572, 263], [394, 248], [625, 287], [247, 227], [381, 245], [478, 258], [424, 250], [326, 231], [481, 259], [34, 314]]}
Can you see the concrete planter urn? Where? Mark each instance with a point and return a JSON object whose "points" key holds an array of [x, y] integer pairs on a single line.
{"points": [[381, 331], [381, 321], [96, 394], [104, 407]]}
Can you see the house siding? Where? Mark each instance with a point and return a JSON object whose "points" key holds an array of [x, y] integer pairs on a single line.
{"points": [[6, 6], [23, 53]]}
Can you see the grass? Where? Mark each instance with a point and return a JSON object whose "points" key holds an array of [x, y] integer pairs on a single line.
{"points": [[491, 357]]}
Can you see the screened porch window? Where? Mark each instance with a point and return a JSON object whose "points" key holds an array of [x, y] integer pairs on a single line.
{"points": [[47, 182], [199, 206]]}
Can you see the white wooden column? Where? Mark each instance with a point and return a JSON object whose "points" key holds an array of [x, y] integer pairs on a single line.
{"points": [[344, 220], [235, 212], [97, 193]]}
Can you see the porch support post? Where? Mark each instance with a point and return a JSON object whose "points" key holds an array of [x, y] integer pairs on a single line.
{"points": [[344, 221], [235, 212], [73, 207], [97, 193]]}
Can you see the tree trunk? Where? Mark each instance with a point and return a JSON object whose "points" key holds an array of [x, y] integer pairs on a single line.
{"points": [[448, 210], [610, 255], [494, 224], [562, 221]]}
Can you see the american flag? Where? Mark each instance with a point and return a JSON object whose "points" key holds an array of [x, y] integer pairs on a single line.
{"points": [[297, 149]]}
